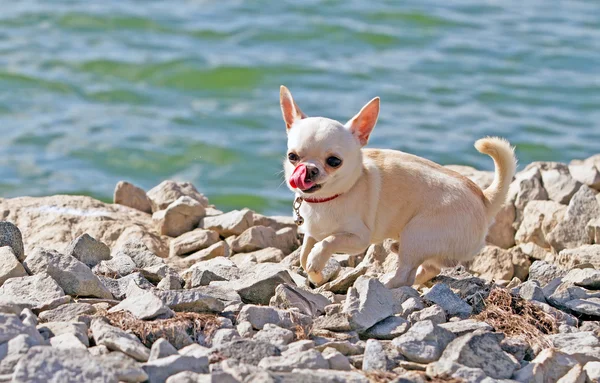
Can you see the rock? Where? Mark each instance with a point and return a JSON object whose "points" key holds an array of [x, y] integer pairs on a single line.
{"points": [[410, 306], [74, 277], [586, 173], [254, 238], [521, 263], [11, 326], [123, 367], [127, 194], [193, 300], [575, 375], [28, 317], [579, 339], [544, 272], [589, 306], [583, 354], [179, 217], [225, 335], [259, 316], [192, 377], [53, 222], [52, 329], [450, 302], [10, 267], [87, 250], [160, 369], [141, 255], [234, 222], [168, 192], [588, 278], [336, 360], [10, 236], [247, 351], [144, 305], [481, 350], [558, 183], [39, 292], [161, 349], [434, 313], [13, 350], [118, 266], [51, 365], [493, 263], [389, 328], [367, 303], [118, 340], [401, 295], [120, 287], [319, 375], [375, 358], [311, 359], [170, 282], [462, 327], [219, 249], [220, 269], [446, 369], [67, 341], [548, 366], [275, 335], [502, 231], [571, 231], [539, 219], [345, 280], [517, 347], [533, 251], [526, 187], [532, 292], [286, 240], [592, 370], [193, 241], [593, 229], [424, 342], [288, 296], [582, 255], [67, 313], [258, 284], [560, 316]]}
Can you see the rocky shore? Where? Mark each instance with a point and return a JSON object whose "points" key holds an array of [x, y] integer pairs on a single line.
{"points": [[161, 286]]}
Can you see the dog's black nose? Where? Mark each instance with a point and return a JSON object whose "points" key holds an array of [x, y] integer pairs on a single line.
{"points": [[311, 172]]}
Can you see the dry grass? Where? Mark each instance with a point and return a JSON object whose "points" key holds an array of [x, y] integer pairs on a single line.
{"points": [[517, 317], [148, 331]]}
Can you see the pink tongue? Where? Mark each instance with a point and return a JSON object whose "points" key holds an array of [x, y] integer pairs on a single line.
{"points": [[298, 178]]}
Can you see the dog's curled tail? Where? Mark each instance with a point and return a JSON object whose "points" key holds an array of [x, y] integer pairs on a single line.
{"points": [[506, 163]]}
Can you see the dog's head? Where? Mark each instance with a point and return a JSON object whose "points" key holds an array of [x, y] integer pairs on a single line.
{"points": [[324, 157]]}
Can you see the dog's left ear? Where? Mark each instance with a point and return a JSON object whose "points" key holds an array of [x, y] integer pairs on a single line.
{"points": [[291, 112], [363, 123]]}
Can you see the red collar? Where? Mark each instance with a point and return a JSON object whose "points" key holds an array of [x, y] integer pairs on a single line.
{"points": [[321, 200]]}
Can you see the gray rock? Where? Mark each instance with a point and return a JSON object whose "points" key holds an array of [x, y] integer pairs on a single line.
{"points": [[581, 339], [560, 316], [193, 241], [160, 369], [254, 238], [226, 335], [548, 366], [161, 348], [12, 326], [127, 194], [73, 276], [575, 375], [345, 280], [526, 187], [586, 254], [311, 359], [465, 326], [389, 328], [448, 369], [259, 316], [517, 347], [450, 302], [375, 358], [571, 231], [401, 295], [334, 322], [39, 292], [28, 317], [234, 222], [275, 335], [168, 192], [367, 303], [336, 360], [258, 285], [53, 329], [532, 292], [319, 375], [410, 306], [288, 296], [170, 282], [122, 366], [140, 254], [545, 272], [10, 235], [145, 306], [589, 306], [13, 350], [434, 313], [118, 340], [192, 377], [592, 370], [481, 350], [120, 287], [247, 351], [424, 342], [10, 267], [203, 278], [118, 266], [67, 341], [588, 278], [190, 300], [88, 250], [51, 365]]}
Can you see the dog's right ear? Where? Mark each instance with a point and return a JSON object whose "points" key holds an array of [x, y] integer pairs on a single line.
{"points": [[291, 112]]}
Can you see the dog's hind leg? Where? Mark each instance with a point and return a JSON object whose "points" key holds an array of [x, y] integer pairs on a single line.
{"points": [[426, 271]]}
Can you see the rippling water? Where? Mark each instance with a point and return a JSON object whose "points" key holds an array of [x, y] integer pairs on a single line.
{"points": [[95, 92]]}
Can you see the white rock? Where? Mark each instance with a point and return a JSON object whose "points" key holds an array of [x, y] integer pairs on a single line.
{"points": [[118, 340], [10, 267], [548, 366], [193, 241], [367, 303], [38, 292], [592, 370], [67, 341], [311, 359], [275, 335], [389, 328], [558, 182], [575, 375], [179, 217], [160, 369], [145, 306], [168, 192], [161, 348], [88, 250], [127, 194], [539, 219], [570, 258], [234, 222]]}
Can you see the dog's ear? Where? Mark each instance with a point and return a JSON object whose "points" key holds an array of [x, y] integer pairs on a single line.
{"points": [[291, 112], [363, 123]]}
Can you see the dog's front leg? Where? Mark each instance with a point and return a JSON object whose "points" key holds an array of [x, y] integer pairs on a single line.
{"points": [[307, 245], [349, 243]]}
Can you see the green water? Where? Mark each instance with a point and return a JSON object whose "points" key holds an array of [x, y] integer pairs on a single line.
{"points": [[95, 92]]}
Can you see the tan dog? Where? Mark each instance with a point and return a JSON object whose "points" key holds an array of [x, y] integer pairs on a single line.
{"points": [[355, 197]]}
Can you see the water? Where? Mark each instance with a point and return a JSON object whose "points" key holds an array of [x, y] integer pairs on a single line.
{"points": [[95, 92]]}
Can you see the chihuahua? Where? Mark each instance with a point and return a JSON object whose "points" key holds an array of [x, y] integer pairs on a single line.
{"points": [[349, 197]]}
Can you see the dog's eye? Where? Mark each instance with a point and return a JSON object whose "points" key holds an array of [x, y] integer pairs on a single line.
{"points": [[334, 162], [293, 157]]}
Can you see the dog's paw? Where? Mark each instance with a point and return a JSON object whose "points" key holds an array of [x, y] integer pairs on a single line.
{"points": [[316, 259], [316, 278]]}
